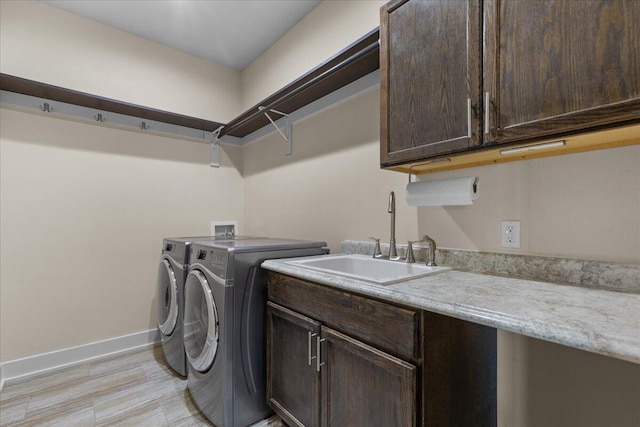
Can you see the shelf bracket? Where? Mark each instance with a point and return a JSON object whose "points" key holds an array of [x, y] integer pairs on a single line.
{"points": [[287, 128], [214, 148]]}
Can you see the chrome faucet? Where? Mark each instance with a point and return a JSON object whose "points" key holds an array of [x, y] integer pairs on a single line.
{"points": [[393, 254], [431, 261]]}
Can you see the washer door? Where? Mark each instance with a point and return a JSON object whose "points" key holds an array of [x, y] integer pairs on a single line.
{"points": [[167, 297], [200, 322]]}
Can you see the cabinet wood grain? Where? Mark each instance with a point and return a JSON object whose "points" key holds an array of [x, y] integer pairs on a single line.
{"points": [[391, 328], [459, 379], [293, 387], [362, 386], [526, 71], [450, 382], [430, 78], [557, 67]]}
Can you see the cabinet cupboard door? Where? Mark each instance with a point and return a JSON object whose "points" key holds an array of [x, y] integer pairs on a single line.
{"points": [[363, 386], [293, 388], [430, 78], [559, 66]]}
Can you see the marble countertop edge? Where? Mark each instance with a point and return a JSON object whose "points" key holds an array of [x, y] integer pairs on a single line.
{"points": [[619, 337]]}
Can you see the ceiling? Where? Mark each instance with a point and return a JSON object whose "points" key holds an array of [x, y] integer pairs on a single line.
{"points": [[229, 32]]}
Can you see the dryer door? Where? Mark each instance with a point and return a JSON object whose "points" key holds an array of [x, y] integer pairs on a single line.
{"points": [[200, 322], [167, 296]]}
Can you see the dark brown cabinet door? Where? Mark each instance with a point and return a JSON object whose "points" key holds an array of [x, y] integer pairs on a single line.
{"points": [[430, 64], [293, 388], [363, 386], [558, 66]]}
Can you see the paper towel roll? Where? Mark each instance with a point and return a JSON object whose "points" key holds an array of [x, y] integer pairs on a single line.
{"points": [[446, 192]]}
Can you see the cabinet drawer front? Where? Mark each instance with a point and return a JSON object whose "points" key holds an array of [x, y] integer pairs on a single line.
{"points": [[392, 329]]}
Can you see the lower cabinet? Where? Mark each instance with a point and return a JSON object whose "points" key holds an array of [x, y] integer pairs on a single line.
{"points": [[293, 384], [336, 358], [363, 386], [336, 380]]}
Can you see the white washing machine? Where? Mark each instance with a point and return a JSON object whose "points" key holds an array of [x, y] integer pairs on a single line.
{"points": [[172, 273], [225, 299]]}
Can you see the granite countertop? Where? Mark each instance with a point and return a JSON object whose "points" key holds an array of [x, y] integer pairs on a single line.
{"points": [[595, 320]]}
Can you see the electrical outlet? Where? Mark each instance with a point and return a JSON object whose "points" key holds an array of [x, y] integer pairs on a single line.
{"points": [[510, 234]]}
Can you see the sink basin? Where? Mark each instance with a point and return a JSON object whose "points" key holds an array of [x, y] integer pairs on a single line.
{"points": [[364, 267]]}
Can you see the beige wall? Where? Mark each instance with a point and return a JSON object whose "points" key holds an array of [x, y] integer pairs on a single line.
{"points": [[325, 31], [331, 188], [84, 209], [584, 205], [49, 45], [546, 384]]}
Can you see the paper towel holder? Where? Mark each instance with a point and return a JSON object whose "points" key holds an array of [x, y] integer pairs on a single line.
{"points": [[430, 162], [445, 160], [443, 192]]}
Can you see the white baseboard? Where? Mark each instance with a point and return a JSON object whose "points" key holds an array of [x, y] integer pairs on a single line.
{"points": [[41, 363]]}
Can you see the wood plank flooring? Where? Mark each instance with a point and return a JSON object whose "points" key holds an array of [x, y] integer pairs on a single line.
{"points": [[136, 388]]}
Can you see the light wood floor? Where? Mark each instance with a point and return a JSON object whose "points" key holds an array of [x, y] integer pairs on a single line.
{"points": [[133, 389]]}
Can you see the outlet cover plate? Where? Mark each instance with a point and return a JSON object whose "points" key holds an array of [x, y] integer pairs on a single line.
{"points": [[510, 233]]}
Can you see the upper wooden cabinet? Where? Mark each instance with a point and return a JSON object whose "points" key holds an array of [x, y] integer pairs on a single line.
{"points": [[557, 66], [461, 77], [430, 78]]}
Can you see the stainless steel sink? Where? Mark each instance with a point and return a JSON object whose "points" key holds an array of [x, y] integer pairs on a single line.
{"points": [[364, 267]]}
